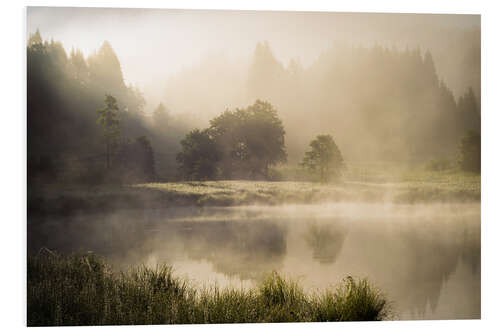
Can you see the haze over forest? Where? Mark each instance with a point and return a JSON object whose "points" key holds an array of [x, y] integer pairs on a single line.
{"points": [[397, 87], [342, 149]]}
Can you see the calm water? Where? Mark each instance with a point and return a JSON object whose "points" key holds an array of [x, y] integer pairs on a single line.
{"points": [[426, 258]]}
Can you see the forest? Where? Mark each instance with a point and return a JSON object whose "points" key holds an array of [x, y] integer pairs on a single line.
{"points": [[412, 116]]}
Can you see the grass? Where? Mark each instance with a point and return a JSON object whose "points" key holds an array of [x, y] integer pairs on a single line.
{"points": [[83, 290], [424, 187], [361, 183]]}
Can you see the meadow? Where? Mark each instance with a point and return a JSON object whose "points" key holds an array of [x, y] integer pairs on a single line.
{"points": [[377, 183], [84, 290]]}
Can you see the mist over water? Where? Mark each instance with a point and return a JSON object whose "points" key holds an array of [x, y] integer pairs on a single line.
{"points": [[426, 258], [399, 95]]}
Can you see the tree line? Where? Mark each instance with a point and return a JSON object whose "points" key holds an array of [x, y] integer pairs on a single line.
{"points": [[65, 140], [245, 143], [386, 103], [69, 142]]}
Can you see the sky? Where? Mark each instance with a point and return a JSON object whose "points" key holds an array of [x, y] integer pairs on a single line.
{"points": [[153, 44]]}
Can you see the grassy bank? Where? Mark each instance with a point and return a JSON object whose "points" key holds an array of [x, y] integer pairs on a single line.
{"points": [[83, 290], [360, 184]]}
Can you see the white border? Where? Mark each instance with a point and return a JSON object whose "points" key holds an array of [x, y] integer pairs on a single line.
{"points": [[13, 139]]}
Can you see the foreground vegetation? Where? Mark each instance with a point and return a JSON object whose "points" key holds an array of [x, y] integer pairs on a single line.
{"points": [[83, 290]]}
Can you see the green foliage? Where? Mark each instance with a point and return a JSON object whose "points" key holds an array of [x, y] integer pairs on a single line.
{"points": [[83, 290], [324, 158], [62, 92], [199, 156], [110, 122], [240, 143], [351, 301], [250, 140], [275, 290], [470, 152]]}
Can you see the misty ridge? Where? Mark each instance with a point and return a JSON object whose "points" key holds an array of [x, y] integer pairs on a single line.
{"points": [[379, 103]]}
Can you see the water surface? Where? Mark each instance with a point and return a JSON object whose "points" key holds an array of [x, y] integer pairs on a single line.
{"points": [[426, 258]]}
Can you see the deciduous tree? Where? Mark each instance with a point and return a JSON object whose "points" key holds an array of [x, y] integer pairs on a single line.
{"points": [[324, 159], [199, 156]]}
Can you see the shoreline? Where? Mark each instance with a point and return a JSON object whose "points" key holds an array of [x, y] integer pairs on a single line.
{"points": [[69, 199]]}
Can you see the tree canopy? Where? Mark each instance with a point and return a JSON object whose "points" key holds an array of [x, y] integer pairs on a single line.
{"points": [[63, 93], [250, 139], [324, 159], [198, 157], [243, 143]]}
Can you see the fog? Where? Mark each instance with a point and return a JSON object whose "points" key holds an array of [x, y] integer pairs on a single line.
{"points": [[154, 44], [394, 91], [426, 258], [386, 86]]}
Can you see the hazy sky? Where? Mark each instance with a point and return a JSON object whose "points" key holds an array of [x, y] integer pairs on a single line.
{"points": [[154, 43]]}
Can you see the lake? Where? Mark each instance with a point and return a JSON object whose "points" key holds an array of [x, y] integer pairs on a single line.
{"points": [[425, 258]]}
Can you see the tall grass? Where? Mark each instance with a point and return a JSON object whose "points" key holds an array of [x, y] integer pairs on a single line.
{"points": [[83, 290]]}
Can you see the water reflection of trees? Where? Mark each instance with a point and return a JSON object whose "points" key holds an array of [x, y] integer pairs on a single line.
{"points": [[325, 241], [431, 254], [471, 249], [242, 249], [245, 250], [411, 260]]}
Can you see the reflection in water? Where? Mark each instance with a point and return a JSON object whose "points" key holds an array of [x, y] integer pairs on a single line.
{"points": [[471, 248], [325, 240], [426, 259], [237, 249], [431, 261], [245, 250]]}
